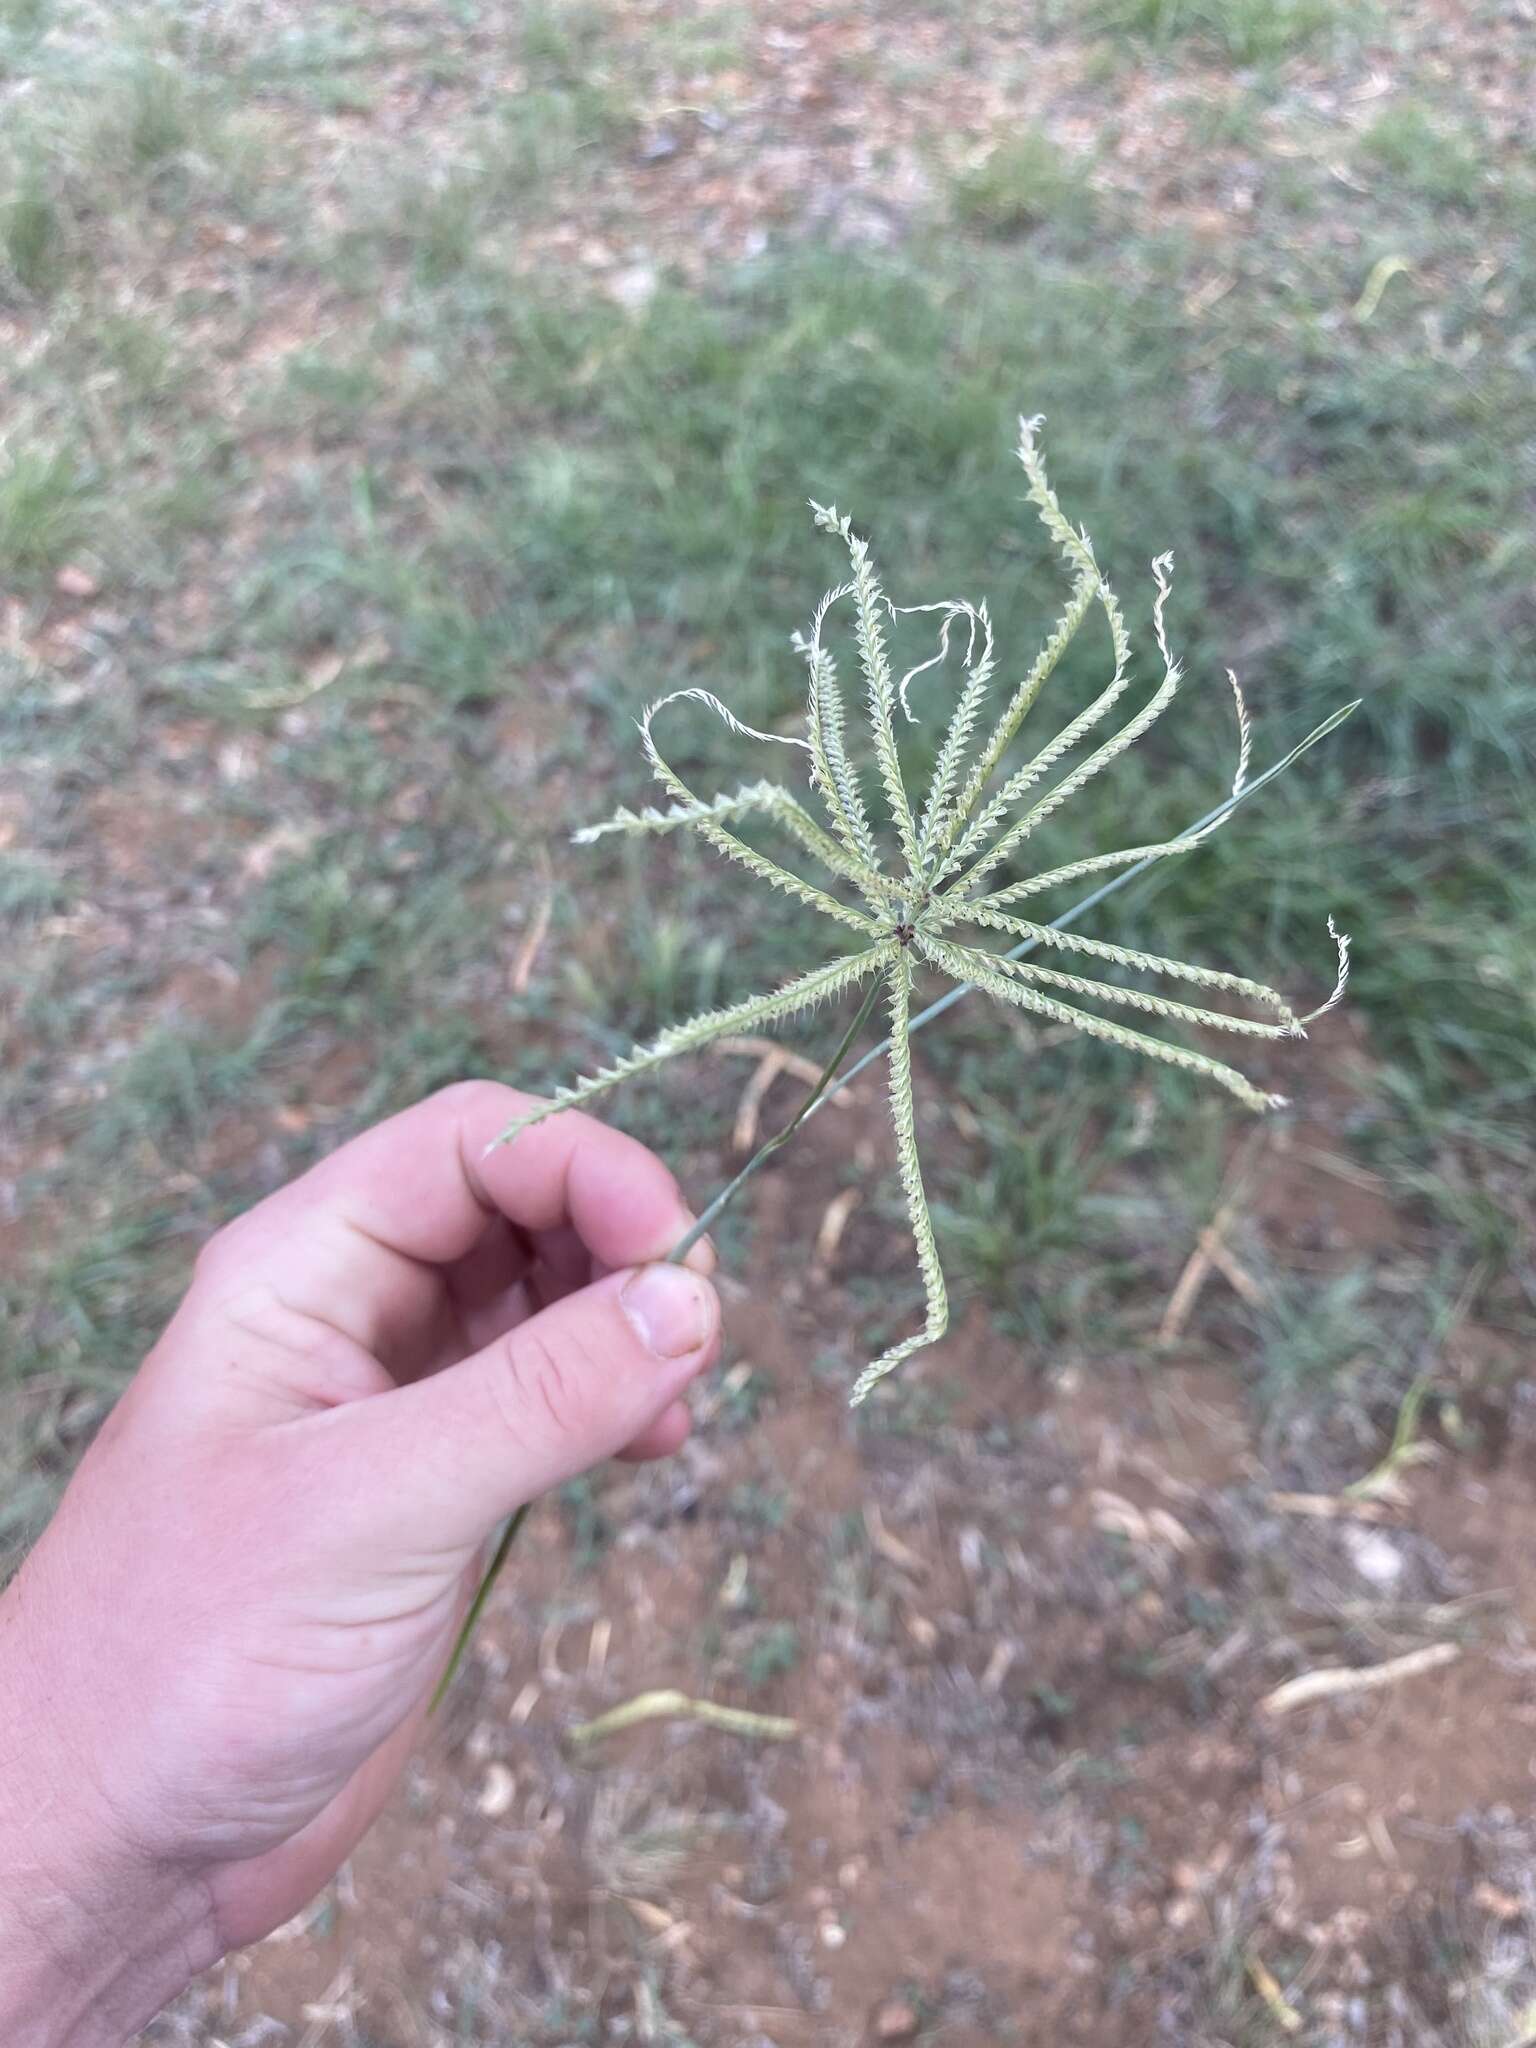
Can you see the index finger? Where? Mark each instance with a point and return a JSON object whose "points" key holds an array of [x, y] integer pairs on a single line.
{"points": [[425, 1183], [355, 1241]]}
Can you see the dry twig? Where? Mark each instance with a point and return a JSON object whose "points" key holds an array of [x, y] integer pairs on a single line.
{"points": [[834, 1222], [749, 1109], [890, 1546], [677, 1706], [1331, 1507], [1340, 1682], [1286, 2017], [521, 972], [752, 1047], [1211, 1251]]}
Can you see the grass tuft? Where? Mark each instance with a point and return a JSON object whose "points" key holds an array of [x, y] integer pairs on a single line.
{"points": [[1424, 157], [44, 504], [33, 240], [560, 41], [1244, 31], [1026, 182]]}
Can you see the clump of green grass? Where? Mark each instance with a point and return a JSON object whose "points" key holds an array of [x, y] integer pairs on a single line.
{"points": [[1222, 116], [1025, 1203], [151, 113], [1312, 1336], [1025, 182], [561, 40], [322, 62], [772, 1652], [549, 130], [1245, 31], [112, 140], [43, 508], [576, 101], [1020, 1223], [22, 22], [33, 239], [170, 1087], [668, 968], [29, 888], [696, 45], [101, 1293], [1425, 157], [448, 221], [140, 358], [439, 223]]}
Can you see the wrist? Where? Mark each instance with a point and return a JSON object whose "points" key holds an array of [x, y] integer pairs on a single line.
{"points": [[95, 1936], [78, 1972]]}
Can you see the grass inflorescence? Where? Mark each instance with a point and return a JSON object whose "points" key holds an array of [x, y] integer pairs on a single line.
{"points": [[924, 871]]}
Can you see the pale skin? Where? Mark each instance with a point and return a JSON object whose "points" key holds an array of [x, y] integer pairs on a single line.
{"points": [[218, 1656]]}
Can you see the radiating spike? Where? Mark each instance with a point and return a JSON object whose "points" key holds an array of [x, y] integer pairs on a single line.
{"points": [[831, 772], [979, 968], [1149, 1000], [904, 1122], [1342, 941], [1121, 956], [1110, 750], [748, 1015], [1244, 735], [727, 842]]}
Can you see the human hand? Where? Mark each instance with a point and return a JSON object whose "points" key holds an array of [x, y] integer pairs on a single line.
{"points": [[216, 1659]]}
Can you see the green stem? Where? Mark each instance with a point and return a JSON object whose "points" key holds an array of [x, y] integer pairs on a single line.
{"points": [[689, 1239], [477, 1605]]}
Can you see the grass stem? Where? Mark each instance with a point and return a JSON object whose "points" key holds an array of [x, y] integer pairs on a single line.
{"points": [[823, 1087], [477, 1605]]}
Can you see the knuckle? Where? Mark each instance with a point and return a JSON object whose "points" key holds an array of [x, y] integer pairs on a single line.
{"points": [[214, 1253], [480, 1106], [541, 1390], [464, 1096]]}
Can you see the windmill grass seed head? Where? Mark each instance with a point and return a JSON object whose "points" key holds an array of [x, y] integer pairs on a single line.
{"points": [[922, 875]]}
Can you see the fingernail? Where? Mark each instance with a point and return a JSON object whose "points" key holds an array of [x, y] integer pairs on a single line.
{"points": [[666, 1305]]}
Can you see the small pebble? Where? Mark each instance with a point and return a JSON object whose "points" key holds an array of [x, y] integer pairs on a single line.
{"points": [[896, 2021], [497, 1793]]}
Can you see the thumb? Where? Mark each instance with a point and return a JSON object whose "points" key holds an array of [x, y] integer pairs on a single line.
{"points": [[564, 1390]]}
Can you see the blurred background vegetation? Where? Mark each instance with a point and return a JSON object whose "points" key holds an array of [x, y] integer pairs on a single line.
{"points": [[353, 497], [394, 399]]}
